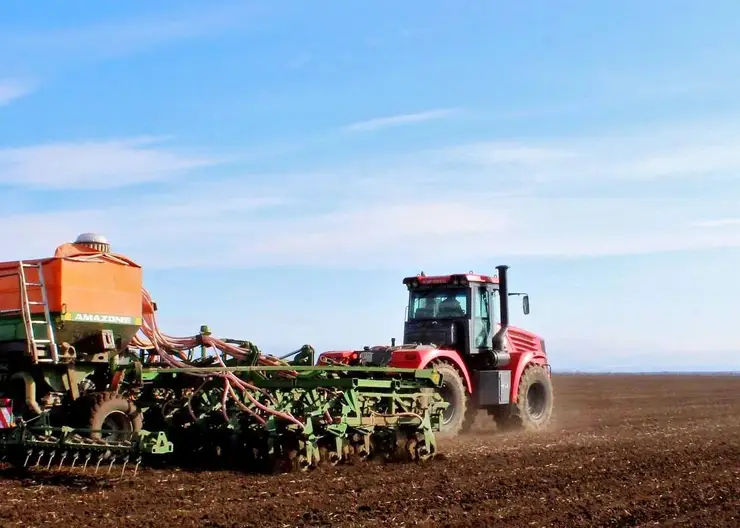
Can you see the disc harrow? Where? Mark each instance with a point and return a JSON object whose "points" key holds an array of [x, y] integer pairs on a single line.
{"points": [[322, 415]]}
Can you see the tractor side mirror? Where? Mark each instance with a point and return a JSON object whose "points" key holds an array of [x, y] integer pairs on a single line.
{"points": [[525, 304]]}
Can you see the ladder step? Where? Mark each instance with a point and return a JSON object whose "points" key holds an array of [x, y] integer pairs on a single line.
{"points": [[40, 322], [42, 341], [35, 303], [28, 265], [38, 284]]}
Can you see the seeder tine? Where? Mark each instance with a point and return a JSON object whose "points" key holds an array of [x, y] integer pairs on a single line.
{"points": [[87, 459], [125, 461], [28, 457], [51, 457], [136, 469], [112, 461], [61, 461], [74, 459], [100, 459], [38, 460]]}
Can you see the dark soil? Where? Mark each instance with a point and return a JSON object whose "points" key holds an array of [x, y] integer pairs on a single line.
{"points": [[624, 451]]}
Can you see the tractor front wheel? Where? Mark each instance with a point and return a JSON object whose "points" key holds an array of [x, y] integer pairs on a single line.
{"points": [[458, 415]]}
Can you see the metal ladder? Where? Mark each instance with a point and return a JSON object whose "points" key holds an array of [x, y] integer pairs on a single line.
{"points": [[41, 350]]}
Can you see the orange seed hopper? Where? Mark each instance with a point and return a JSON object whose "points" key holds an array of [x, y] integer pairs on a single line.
{"points": [[92, 294]]}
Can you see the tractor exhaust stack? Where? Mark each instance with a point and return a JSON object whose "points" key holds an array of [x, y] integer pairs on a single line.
{"points": [[503, 290]]}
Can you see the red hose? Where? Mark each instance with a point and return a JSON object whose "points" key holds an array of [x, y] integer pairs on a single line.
{"points": [[172, 350]]}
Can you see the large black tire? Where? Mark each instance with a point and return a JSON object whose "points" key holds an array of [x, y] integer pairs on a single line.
{"points": [[108, 410], [459, 416], [534, 406]]}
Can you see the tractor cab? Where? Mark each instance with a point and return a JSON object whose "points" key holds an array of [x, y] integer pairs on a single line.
{"points": [[460, 312]]}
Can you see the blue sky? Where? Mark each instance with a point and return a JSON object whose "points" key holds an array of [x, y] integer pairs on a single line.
{"points": [[278, 167]]}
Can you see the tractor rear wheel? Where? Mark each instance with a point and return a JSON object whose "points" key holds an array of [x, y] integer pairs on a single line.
{"points": [[458, 417], [113, 413], [533, 409]]}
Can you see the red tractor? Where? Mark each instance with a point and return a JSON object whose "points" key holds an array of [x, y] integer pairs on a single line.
{"points": [[486, 364]]}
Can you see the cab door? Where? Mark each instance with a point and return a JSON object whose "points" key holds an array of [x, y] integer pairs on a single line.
{"points": [[481, 318]]}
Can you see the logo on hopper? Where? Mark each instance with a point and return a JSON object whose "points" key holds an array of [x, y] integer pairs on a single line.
{"points": [[103, 319]]}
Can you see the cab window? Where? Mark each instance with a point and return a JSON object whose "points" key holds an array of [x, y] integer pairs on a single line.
{"points": [[438, 303]]}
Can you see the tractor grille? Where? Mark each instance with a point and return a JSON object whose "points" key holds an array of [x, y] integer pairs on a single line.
{"points": [[426, 337]]}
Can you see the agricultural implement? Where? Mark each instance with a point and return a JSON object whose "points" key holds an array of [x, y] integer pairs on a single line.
{"points": [[88, 379]]}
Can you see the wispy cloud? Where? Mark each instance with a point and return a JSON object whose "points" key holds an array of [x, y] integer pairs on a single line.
{"points": [[683, 152], [11, 89], [263, 230], [402, 119], [581, 205], [94, 164], [159, 229], [499, 152], [720, 222], [124, 36]]}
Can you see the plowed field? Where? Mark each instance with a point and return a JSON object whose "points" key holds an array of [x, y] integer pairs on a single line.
{"points": [[624, 451]]}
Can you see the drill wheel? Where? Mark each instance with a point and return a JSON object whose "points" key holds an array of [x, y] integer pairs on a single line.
{"points": [[110, 412]]}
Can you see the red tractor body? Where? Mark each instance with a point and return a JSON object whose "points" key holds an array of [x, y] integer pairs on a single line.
{"points": [[455, 324]]}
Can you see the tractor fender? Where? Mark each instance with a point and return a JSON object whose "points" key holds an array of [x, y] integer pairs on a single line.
{"points": [[525, 360], [421, 357]]}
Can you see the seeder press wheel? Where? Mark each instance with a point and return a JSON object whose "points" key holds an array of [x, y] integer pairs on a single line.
{"points": [[290, 452], [389, 445]]}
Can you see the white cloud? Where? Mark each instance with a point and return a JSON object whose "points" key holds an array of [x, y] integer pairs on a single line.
{"points": [[596, 159], [689, 160], [471, 227], [217, 230], [190, 225], [93, 164], [375, 233], [10, 90], [402, 119], [432, 213]]}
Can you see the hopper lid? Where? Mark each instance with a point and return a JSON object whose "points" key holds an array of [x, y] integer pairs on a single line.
{"points": [[91, 238]]}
